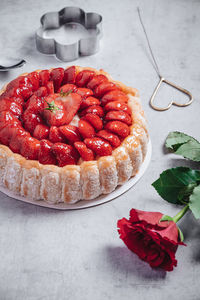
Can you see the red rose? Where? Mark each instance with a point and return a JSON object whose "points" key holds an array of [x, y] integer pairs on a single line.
{"points": [[153, 241]]}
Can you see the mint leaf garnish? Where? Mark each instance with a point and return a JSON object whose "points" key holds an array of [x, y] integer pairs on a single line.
{"points": [[52, 107], [63, 94], [194, 202], [176, 185], [183, 144]]}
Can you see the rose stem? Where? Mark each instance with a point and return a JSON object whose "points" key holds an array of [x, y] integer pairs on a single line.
{"points": [[181, 213]]}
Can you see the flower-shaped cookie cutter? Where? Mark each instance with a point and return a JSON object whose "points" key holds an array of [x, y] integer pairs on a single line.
{"points": [[69, 18]]}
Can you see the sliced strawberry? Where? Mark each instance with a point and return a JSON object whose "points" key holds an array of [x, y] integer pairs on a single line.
{"points": [[85, 129], [104, 88], [44, 76], [17, 139], [24, 85], [96, 80], [15, 83], [69, 75], [117, 105], [118, 116], [50, 87], [6, 117], [26, 91], [31, 120], [34, 79], [41, 92], [70, 132], [115, 95], [13, 93], [84, 77], [86, 153], [9, 105], [41, 132], [18, 100], [54, 112], [56, 75], [55, 136], [65, 154], [94, 120], [94, 109], [35, 104], [118, 128], [8, 131], [84, 93], [89, 101], [110, 137], [30, 148], [71, 104], [46, 155], [99, 146], [67, 88]]}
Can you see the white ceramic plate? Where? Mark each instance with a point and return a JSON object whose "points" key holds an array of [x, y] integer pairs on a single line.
{"points": [[99, 200]]}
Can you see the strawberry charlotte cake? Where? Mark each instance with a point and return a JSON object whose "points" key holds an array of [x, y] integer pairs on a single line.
{"points": [[69, 134]]}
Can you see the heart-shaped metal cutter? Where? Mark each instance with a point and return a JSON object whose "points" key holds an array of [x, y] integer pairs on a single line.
{"points": [[66, 51]]}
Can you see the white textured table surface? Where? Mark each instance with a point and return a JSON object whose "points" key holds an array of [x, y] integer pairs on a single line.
{"points": [[47, 254]]}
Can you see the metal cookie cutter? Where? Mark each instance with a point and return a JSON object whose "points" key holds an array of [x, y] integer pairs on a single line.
{"points": [[69, 33]]}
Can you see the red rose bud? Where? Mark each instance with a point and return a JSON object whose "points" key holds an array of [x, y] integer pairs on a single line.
{"points": [[153, 241]]}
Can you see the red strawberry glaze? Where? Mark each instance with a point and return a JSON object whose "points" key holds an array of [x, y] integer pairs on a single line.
{"points": [[94, 120], [31, 120], [84, 77], [118, 115], [84, 151], [8, 131], [55, 135], [56, 75], [99, 146], [114, 95], [85, 129], [30, 148], [34, 79], [94, 109], [50, 87], [36, 111], [69, 75], [17, 140], [67, 88], [110, 137], [118, 106], [44, 76], [96, 80], [119, 128], [71, 133], [46, 155], [104, 88], [9, 105], [41, 131], [84, 93], [65, 154], [89, 101]]}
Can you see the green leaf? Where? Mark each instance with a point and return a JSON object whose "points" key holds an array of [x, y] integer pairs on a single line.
{"points": [[183, 144], [175, 138], [63, 94], [194, 202], [190, 150], [181, 236], [166, 218], [176, 184]]}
